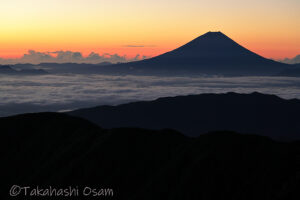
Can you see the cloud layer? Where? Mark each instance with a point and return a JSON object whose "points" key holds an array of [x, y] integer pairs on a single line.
{"points": [[36, 57], [65, 92], [291, 60]]}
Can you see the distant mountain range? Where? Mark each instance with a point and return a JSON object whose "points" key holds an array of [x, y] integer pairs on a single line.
{"points": [[211, 54], [55, 150], [293, 71], [63, 68], [8, 70], [256, 113]]}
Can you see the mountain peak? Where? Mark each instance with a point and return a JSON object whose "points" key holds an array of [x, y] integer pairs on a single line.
{"points": [[212, 53], [212, 45], [213, 35]]}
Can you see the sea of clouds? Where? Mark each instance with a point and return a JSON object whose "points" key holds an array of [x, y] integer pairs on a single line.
{"points": [[22, 94]]}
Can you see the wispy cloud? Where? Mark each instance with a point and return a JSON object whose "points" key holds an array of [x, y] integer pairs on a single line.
{"points": [[129, 45], [136, 46], [36, 57]]}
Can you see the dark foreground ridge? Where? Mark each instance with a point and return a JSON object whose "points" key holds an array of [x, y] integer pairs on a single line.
{"points": [[256, 113], [50, 149]]}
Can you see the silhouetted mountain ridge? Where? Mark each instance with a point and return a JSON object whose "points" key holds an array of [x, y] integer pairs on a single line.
{"points": [[257, 113], [51, 149]]}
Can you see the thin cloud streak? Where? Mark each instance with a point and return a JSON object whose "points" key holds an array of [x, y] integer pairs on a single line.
{"points": [[137, 46]]}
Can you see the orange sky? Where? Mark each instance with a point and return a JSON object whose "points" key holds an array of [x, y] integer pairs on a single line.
{"points": [[268, 27]]}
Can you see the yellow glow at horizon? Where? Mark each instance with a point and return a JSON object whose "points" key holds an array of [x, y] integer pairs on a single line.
{"points": [[268, 27]]}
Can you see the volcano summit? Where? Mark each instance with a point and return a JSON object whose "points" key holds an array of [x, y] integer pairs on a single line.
{"points": [[211, 53]]}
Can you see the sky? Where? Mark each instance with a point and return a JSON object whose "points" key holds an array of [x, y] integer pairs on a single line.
{"points": [[270, 28]]}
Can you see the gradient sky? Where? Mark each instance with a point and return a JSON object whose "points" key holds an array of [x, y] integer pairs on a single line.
{"points": [[268, 27]]}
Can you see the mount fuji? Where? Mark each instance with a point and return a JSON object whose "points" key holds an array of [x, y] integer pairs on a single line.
{"points": [[211, 53]]}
